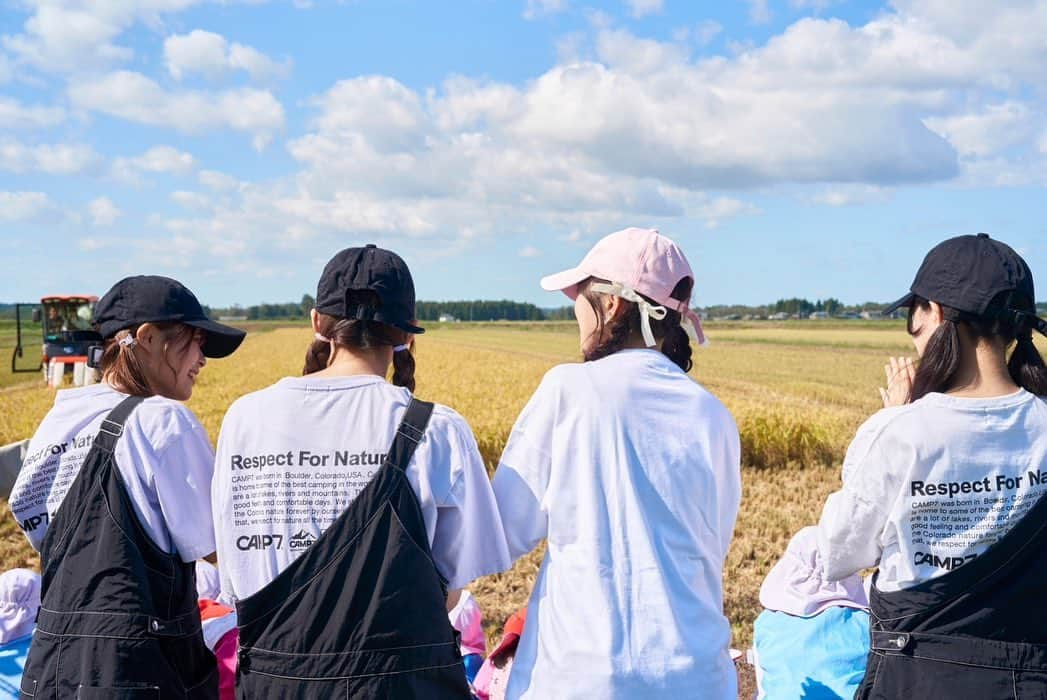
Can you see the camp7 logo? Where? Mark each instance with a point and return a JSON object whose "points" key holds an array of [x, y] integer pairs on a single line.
{"points": [[247, 543]]}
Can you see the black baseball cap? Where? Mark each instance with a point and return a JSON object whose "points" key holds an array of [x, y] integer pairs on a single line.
{"points": [[153, 299], [371, 269], [967, 272]]}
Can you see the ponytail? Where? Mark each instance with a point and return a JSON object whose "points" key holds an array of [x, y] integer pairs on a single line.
{"points": [[403, 369], [677, 347], [1026, 366], [1008, 317], [317, 357], [940, 362]]}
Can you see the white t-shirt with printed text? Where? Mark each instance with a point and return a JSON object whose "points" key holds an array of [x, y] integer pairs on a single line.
{"points": [[630, 469], [163, 455], [931, 485], [293, 456]]}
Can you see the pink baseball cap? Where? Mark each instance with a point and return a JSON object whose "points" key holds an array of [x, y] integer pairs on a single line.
{"points": [[639, 260]]}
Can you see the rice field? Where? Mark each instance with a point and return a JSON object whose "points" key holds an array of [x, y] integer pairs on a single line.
{"points": [[798, 391]]}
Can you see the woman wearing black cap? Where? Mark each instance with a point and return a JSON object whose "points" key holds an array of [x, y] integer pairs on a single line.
{"points": [[942, 489], [346, 510], [114, 493]]}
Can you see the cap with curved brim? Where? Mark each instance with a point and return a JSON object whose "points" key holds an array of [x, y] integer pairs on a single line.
{"points": [[566, 281], [408, 327], [221, 340], [904, 301]]}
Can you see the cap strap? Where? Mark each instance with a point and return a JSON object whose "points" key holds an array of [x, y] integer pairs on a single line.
{"points": [[647, 310], [1026, 322], [688, 326]]}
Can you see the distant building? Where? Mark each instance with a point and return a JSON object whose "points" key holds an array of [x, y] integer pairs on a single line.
{"points": [[780, 316], [819, 315], [447, 318]]}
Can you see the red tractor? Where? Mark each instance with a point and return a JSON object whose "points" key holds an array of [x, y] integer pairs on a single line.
{"points": [[67, 322]]}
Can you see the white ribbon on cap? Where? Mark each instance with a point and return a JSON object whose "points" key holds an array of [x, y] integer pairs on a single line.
{"points": [[688, 327], [647, 310]]}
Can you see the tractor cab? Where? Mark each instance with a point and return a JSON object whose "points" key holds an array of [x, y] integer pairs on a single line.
{"points": [[67, 324], [67, 331]]}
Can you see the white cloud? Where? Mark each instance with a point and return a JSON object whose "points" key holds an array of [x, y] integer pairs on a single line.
{"points": [[707, 31], [191, 200], [994, 128], [759, 12], [850, 195], [815, 5], [542, 8], [71, 36], [53, 159], [213, 56], [104, 212], [626, 128], [158, 159], [137, 98], [641, 8], [23, 206], [219, 182], [15, 115], [529, 252]]}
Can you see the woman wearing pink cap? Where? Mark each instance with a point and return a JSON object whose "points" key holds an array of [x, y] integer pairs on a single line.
{"points": [[630, 470]]}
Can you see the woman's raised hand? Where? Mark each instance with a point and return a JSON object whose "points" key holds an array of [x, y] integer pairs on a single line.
{"points": [[900, 372]]}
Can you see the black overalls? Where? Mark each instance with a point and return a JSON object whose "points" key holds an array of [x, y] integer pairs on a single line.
{"points": [[118, 617], [362, 613], [977, 632]]}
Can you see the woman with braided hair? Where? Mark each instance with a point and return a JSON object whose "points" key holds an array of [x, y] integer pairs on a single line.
{"points": [[347, 512], [630, 469]]}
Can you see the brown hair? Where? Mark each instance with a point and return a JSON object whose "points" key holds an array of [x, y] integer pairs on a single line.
{"points": [[120, 366], [1009, 317], [676, 345], [360, 335]]}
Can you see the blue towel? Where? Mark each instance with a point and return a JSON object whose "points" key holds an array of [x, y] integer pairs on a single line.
{"points": [[12, 662], [812, 658]]}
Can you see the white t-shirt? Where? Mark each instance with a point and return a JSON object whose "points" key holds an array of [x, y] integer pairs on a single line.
{"points": [[931, 485], [292, 457], [164, 457], [631, 470]]}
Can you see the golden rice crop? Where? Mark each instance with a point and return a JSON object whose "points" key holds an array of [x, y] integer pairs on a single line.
{"points": [[797, 395]]}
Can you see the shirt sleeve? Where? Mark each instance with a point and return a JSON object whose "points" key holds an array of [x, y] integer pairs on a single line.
{"points": [[850, 531], [468, 541], [221, 506], [522, 477], [182, 478], [731, 484]]}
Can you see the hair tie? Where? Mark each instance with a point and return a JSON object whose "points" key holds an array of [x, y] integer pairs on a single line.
{"points": [[321, 337], [401, 348], [128, 341]]}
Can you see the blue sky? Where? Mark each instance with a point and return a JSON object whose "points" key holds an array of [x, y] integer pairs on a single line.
{"points": [[793, 147]]}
